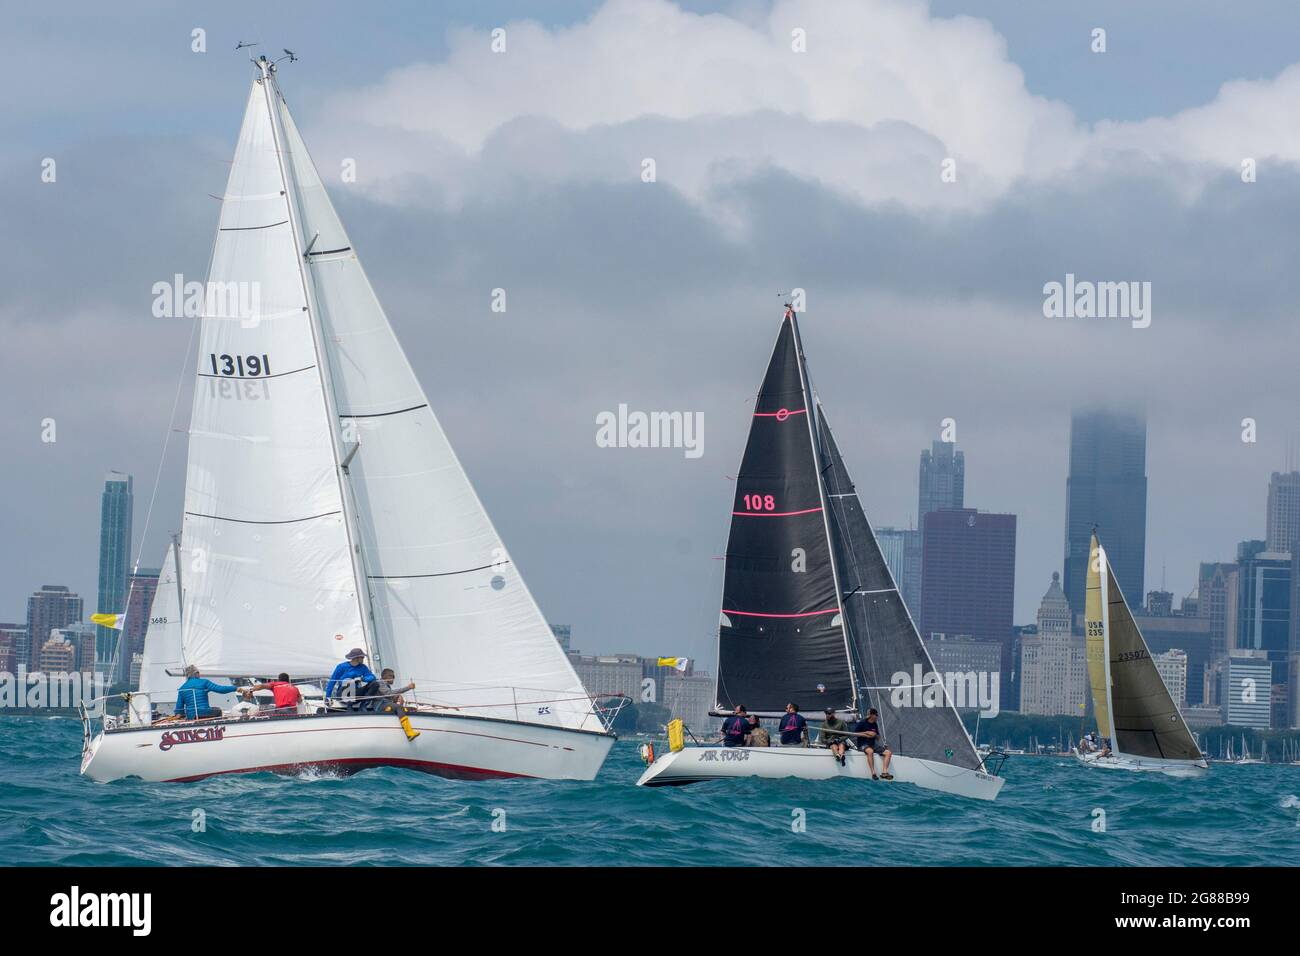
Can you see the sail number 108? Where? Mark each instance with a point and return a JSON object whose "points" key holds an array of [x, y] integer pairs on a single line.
{"points": [[240, 366]]}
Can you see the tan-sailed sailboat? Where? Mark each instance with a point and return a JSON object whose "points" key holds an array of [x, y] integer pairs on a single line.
{"points": [[1137, 719]]}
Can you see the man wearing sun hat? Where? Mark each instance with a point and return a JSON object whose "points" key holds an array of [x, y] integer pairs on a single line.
{"points": [[351, 673]]}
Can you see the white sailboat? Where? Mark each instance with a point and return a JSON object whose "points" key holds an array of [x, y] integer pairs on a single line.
{"points": [[326, 510], [811, 614], [1134, 709], [1246, 758]]}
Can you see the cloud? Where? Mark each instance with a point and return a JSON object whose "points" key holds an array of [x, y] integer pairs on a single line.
{"points": [[884, 94]]}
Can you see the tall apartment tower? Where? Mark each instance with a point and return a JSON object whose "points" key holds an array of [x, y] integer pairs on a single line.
{"points": [[114, 558], [53, 606], [1106, 487], [1283, 525]]}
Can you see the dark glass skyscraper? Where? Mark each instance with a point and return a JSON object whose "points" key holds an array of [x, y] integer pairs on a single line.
{"points": [[114, 557], [968, 581], [1107, 487], [942, 481]]}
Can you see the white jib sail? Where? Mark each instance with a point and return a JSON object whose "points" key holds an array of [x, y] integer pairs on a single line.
{"points": [[451, 610], [269, 578], [162, 646]]}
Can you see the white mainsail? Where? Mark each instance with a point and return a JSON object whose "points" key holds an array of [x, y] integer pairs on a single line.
{"points": [[269, 577], [451, 609]]}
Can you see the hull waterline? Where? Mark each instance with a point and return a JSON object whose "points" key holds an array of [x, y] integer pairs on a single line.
{"points": [[450, 746], [700, 764]]}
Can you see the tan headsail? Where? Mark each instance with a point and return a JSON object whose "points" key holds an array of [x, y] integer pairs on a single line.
{"points": [[1095, 624]]}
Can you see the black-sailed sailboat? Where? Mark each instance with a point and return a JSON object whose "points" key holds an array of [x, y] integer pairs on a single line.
{"points": [[811, 613]]}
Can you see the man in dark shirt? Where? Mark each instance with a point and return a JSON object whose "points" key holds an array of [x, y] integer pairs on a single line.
{"points": [[735, 727], [794, 729], [831, 735], [872, 742]]}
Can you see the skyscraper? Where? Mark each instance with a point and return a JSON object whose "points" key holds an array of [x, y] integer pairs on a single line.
{"points": [[53, 606], [140, 588], [1283, 512], [942, 482], [564, 634], [114, 557], [968, 579], [1107, 487], [13, 647], [901, 549], [1053, 661], [1217, 595], [1264, 615]]}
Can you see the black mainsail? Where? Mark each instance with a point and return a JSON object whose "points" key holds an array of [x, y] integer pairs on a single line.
{"points": [[810, 610], [781, 636]]}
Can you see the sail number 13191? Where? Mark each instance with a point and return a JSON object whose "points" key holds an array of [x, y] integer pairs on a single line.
{"points": [[240, 366]]}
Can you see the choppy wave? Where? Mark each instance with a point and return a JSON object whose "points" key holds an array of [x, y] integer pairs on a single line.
{"points": [[1047, 814]]}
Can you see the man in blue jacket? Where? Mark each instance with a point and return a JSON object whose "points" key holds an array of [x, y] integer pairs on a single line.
{"points": [[192, 697], [352, 679]]}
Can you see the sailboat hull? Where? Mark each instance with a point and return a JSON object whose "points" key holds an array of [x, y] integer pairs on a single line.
{"points": [[1172, 768], [699, 764], [456, 746]]}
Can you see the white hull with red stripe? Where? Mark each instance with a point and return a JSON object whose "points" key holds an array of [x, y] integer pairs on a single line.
{"points": [[455, 746], [699, 764]]}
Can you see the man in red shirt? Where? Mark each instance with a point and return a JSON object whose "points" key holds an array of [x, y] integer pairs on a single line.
{"points": [[287, 697]]}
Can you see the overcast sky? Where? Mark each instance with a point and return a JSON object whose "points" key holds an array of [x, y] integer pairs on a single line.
{"points": [[775, 169]]}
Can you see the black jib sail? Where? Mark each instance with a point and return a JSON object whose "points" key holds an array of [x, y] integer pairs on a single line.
{"points": [[894, 670], [781, 637]]}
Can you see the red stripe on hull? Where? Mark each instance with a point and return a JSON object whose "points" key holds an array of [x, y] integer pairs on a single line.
{"points": [[351, 765]]}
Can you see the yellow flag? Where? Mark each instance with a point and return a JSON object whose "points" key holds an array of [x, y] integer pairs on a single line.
{"points": [[677, 662], [115, 621]]}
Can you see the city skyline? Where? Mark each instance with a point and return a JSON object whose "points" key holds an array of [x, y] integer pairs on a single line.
{"points": [[1279, 514], [673, 307]]}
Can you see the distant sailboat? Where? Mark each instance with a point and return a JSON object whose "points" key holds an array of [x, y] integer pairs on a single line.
{"points": [[326, 510], [1134, 709], [811, 614], [1246, 758]]}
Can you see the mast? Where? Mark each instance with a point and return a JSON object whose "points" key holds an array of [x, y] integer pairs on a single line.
{"points": [[818, 457], [346, 502], [180, 591], [1104, 568]]}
